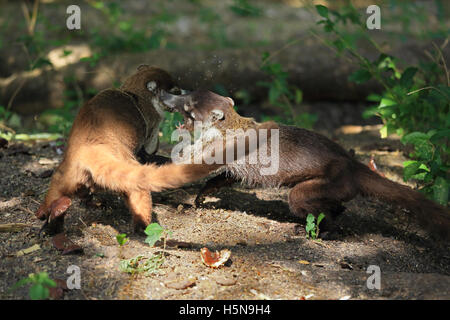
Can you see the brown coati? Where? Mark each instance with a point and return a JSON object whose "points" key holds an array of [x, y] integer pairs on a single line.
{"points": [[105, 137], [321, 173]]}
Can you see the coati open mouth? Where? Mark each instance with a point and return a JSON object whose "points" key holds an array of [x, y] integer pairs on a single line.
{"points": [[182, 103]]}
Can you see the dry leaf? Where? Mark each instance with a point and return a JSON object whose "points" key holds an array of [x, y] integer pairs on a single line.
{"points": [[214, 260], [64, 244]]}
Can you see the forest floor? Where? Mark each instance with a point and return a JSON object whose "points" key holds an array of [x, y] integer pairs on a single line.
{"points": [[271, 258]]}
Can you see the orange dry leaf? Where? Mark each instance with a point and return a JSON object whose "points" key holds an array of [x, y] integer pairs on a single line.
{"points": [[214, 260]]}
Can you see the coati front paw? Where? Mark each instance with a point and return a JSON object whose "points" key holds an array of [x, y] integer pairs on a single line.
{"points": [[54, 215], [199, 199], [139, 226], [42, 212]]}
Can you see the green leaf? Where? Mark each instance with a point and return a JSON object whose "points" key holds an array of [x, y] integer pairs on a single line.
{"points": [[360, 76], [21, 283], [298, 96], [320, 218], [322, 10], [384, 131], [409, 169], [154, 232], [310, 218], [414, 137], [121, 239], [385, 102], [370, 112], [406, 79], [374, 97], [440, 190], [39, 292]]}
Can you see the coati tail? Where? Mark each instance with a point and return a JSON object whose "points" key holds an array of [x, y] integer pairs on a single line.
{"points": [[430, 215], [125, 175]]}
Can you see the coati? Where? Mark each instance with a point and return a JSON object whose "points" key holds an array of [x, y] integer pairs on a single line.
{"points": [[105, 137], [321, 173]]}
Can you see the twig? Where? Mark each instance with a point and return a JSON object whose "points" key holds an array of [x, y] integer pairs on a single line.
{"points": [[443, 62], [426, 88], [25, 209], [13, 96], [13, 227], [31, 20], [281, 49], [4, 127]]}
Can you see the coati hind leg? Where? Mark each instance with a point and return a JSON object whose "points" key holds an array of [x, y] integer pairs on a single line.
{"points": [[140, 204], [65, 181], [320, 195]]}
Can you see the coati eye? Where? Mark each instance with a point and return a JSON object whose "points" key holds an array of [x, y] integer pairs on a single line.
{"points": [[151, 86], [175, 90]]}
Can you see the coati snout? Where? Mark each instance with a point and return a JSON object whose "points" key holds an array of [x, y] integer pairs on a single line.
{"points": [[200, 105]]}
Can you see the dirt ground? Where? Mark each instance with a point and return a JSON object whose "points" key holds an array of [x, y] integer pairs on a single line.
{"points": [[270, 255]]}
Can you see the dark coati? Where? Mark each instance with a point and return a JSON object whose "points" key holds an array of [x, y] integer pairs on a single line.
{"points": [[321, 173], [105, 137]]}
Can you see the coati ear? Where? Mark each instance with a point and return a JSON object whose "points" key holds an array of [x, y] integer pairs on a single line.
{"points": [[231, 101], [142, 67]]}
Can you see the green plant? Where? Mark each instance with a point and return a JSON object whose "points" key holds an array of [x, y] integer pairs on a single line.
{"points": [[141, 263], [283, 95], [40, 284], [154, 233], [123, 35], [415, 103], [121, 239], [312, 226]]}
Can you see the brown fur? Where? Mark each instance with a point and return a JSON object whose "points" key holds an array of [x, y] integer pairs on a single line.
{"points": [[106, 134], [321, 173]]}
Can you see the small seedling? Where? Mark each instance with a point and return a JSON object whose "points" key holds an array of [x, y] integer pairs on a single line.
{"points": [[312, 226], [121, 239], [141, 263], [154, 233], [40, 284]]}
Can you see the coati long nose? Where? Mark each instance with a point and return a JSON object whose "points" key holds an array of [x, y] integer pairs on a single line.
{"points": [[177, 102]]}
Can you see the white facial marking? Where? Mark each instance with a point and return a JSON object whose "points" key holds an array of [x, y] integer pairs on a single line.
{"points": [[151, 86], [217, 114], [186, 107], [193, 115]]}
